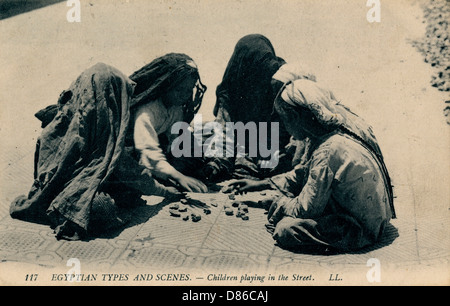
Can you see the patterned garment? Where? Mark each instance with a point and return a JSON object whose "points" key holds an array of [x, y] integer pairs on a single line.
{"points": [[342, 196], [343, 185]]}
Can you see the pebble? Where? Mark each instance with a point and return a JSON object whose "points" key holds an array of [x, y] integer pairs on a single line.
{"points": [[207, 211], [229, 212], [435, 44], [195, 217], [174, 213], [174, 206], [244, 208]]}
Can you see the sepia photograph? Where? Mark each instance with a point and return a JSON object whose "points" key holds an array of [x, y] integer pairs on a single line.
{"points": [[214, 143]]}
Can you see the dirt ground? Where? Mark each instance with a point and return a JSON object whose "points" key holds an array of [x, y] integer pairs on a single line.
{"points": [[372, 68]]}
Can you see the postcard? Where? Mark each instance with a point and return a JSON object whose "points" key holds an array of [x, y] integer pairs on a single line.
{"points": [[97, 94]]}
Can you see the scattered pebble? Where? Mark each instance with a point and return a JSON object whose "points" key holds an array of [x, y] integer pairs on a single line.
{"points": [[229, 212], [244, 208], [174, 213], [195, 217], [231, 196], [237, 208], [174, 206], [435, 45]]}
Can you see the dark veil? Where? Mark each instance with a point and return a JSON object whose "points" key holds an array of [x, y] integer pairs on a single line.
{"points": [[245, 90]]}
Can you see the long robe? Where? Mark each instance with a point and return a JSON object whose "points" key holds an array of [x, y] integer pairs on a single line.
{"points": [[341, 199], [342, 196], [86, 165], [79, 150]]}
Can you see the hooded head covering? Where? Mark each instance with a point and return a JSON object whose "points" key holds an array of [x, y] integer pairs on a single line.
{"points": [[328, 112], [163, 74], [246, 86], [322, 103]]}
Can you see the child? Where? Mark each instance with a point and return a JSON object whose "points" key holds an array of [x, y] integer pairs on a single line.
{"points": [[342, 197]]}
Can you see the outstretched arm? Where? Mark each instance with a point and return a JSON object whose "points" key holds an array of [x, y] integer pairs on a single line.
{"points": [[152, 157], [246, 185]]}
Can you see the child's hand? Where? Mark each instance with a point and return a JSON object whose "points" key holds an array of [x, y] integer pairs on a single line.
{"points": [[267, 202], [245, 185], [191, 184]]}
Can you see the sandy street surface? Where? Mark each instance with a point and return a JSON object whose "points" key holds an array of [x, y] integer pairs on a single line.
{"points": [[371, 67]]}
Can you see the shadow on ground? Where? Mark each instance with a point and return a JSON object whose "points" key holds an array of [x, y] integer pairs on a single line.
{"points": [[131, 217], [388, 237], [10, 8]]}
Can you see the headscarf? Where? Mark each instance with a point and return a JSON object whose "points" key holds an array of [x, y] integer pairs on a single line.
{"points": [[245, 89], [331, 114], [163, 74], [328, 111]]}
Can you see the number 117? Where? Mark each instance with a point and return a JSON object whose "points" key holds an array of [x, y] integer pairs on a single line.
{"points": [[31, 277]]}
